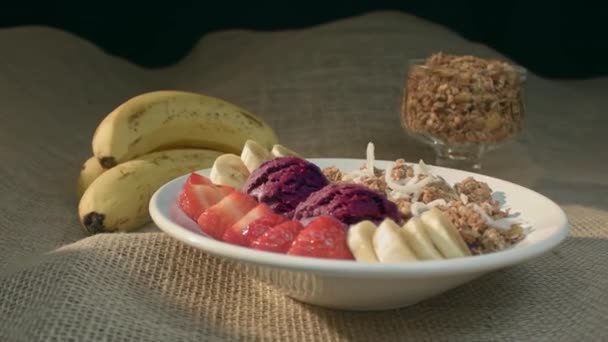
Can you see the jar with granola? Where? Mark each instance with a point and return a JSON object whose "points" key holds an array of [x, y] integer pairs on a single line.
{"points": [[463, 106]]}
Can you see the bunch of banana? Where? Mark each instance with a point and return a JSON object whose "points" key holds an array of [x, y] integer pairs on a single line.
{"points": [[152, 138], [175, 119], [428, 237]]}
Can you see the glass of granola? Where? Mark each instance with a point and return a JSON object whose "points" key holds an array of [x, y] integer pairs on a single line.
{"points": [[463, 106]]}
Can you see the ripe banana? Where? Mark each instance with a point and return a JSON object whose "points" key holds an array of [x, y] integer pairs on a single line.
{"points": [[228, 169], [279, 150], [389, 245], [254, 154], [444, 235], [360, 243], [416, 237], [118, 199], [163, 120], [91, 169]]}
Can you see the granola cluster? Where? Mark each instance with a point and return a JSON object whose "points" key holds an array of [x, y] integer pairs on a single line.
{"points": [[463, 99], [480, 194], [333, 174], [438, 190], [461, 203], [402, 170], [475, 191], [479, 236]]}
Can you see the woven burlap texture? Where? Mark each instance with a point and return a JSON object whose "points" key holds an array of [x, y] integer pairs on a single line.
{"points": [[150, 287], [327, 90]]}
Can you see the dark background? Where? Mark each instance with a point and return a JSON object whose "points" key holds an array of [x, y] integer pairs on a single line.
{"points": [[555, 39]]}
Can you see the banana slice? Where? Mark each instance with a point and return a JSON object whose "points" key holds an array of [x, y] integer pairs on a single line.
{"points": [[254, 154], [444, 235], [359, 241], [228, 169], [389, 245], [416, 236], [279, 150]]}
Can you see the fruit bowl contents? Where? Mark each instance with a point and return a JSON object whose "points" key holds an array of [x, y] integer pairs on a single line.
{"points": [[279, 202], [312, 258]]}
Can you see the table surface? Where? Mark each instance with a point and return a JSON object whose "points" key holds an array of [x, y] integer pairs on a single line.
{"points": [[327, 90]]}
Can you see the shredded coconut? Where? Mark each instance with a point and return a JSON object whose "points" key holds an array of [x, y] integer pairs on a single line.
{"points": [[370, 159]]}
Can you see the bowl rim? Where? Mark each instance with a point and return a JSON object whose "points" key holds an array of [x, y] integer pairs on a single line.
{"points": [[350, 268]]}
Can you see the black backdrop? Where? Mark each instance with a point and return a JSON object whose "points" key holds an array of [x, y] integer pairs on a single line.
{"points": [[556, 39]]}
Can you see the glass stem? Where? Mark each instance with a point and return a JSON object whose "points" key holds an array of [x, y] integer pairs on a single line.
{"points": [[464, 158]]}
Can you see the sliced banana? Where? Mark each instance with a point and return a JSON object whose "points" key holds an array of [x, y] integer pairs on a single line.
{"points": [[444, 235], [359, 241], [389, 244], [254, 154], [279, 150], [417, 238], [228, 169]]}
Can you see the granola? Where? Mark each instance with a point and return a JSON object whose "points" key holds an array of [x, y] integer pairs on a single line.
{"points": [[401, 170], [404, 206], [480, 193], [475, 230], [437, 190], [493, 240], [481, 221], [376, 183], [333, 174], [475, 191], [463, 99]]}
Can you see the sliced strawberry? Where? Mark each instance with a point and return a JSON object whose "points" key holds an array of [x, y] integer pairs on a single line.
{"points": [[215, 220], [258, 227], [196, 198], [278, 238], [323, 237], [196, 178], [234, 234]]}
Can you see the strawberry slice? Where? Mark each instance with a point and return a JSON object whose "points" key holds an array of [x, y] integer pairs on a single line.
{"points": [[323, 237], [258, 227], [196, 178], [219, 217], [196, 197], [278, 238], [234, 234]]}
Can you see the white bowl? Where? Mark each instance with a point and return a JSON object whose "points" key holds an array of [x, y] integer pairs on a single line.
{"points": [[351, 285]]}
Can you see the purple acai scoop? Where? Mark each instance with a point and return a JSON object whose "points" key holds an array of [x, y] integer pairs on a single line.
{"points": [[349, 203], [282, 183]]}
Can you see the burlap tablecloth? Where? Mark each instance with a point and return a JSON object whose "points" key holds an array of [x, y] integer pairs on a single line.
{"points": [[327, 90]]}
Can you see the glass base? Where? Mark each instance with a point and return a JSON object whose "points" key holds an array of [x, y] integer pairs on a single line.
{"points": [[464, 158]]}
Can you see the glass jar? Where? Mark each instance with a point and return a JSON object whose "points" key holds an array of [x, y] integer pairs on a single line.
{"points": [[463, 106]]}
